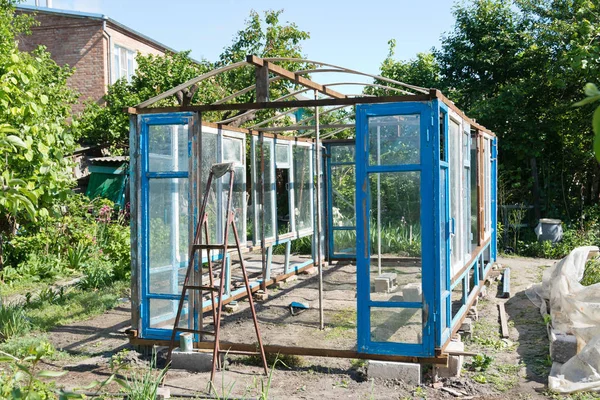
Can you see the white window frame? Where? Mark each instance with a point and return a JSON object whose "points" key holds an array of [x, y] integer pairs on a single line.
{"points": [[118, 71]]}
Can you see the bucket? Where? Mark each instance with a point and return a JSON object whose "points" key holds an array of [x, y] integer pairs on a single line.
{"points": [[549, 229], [186, 342]]}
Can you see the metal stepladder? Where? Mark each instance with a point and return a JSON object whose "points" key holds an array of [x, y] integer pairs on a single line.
{"points": [[216, 172]]}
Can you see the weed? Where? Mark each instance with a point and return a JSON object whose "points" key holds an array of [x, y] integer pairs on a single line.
{"points": [[420, 392], [143, 385], [357, 363], [591, 275], [288, 360], [13, 321], [77, 255], [480, 363], [343, 324]]}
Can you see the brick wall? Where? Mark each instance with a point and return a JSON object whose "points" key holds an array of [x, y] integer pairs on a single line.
{"points": [[77, 42]]}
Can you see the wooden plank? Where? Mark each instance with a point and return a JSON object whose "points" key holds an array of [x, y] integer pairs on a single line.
{"points": [[280, 104], [262, 83], [277, 70], [299, 351], [471, 261], [503, 321]]}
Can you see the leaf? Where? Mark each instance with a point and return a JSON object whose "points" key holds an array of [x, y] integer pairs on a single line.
{"points": [[597, 147], [587, 100], [596, 121], [14, 58], [15, 141], [44, 99], [51, 374], [591, 90]]}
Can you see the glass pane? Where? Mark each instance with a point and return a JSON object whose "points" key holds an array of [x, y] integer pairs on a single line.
{"points": [[269, 187], [474, 195], [302, 187], [163, 312], [395, 232], [394, 140], [455, 198], [232, 149], [238, 202], [444, 228], [399, 325], [168, 148], [168, 235], [344, 241], [342, 153], [343, 188], [282, 155], [209, 157]]}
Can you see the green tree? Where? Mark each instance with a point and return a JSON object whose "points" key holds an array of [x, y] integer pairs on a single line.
{"points": [[34, 107], [517, 67], [263, 35]]}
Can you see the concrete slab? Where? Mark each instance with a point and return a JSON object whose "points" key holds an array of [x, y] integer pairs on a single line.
{"points": [[195, 361], [408, 373], [385, 283]]}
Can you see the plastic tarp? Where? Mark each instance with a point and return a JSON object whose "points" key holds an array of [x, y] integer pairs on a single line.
{"points": [[575, 310]]}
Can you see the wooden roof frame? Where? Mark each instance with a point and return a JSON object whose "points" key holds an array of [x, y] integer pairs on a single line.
{"points": [[266, 65]]}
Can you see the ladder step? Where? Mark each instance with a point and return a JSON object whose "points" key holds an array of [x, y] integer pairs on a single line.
{"points": [[208, 288], [195, 331], [241, 353], [209, 246]]}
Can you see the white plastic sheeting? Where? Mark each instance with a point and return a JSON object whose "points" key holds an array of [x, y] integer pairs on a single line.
{"points": [[575, 309]]}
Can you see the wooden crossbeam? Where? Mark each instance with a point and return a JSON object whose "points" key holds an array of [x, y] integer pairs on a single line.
{"points": [[277, 70]]}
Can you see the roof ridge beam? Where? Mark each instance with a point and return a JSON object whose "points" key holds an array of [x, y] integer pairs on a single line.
{"points": [[277, 70]]}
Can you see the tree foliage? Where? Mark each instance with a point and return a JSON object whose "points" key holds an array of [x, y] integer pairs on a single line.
{"points": [[34, 137], [518, 66], [264, 36]]}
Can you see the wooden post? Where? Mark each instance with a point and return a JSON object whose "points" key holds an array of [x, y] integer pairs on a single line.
{"points": [[262, 84], [536, 189]]}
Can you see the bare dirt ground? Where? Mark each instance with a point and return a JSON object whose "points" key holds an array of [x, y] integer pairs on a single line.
{"points": [[518, 369]]}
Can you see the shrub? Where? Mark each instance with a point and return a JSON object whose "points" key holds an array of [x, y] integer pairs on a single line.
{"points": [[96, 275], [591, 274]]}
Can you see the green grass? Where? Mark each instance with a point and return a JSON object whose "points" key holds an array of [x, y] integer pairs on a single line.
{"points": [[76, 305], [13, 321]]}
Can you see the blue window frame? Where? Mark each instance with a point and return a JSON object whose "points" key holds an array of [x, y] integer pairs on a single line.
{"points": [[167, 170], [417, 160]]}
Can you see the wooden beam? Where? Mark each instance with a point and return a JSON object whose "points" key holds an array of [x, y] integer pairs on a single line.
{"points": [[300, 351], [262, 84], [281, 104], [451, 105], [277, 70], [503, 321]]}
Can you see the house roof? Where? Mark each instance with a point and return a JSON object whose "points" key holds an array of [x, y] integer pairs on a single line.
{"points": [[94, 16]]}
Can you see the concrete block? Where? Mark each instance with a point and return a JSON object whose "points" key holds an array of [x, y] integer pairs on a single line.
{"points": [[412, 292], [473, 314], [291, 278], [261, 296], [191, 360], [408, 373], [467, 325], [483, 292], [231, 307], [562, 347], [163, 393], [309, 271], [455, 363], [385, 283]]}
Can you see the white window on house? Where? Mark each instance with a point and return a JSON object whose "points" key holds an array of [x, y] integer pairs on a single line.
{"points": [[123, 63]]}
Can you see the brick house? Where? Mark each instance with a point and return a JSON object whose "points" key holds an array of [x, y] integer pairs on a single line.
{"points": [[99, 48]]}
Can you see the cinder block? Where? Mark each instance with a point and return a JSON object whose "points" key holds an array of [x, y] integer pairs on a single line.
{"points": [[291, 278], [562, 347], [412, 292], [408, 373], [467, 325], [231, 307], [473, 314], [195, 361], [261, 296], [455, 362]]}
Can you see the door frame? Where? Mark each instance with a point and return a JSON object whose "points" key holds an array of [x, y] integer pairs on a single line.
{"points": [[427, 219]]}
